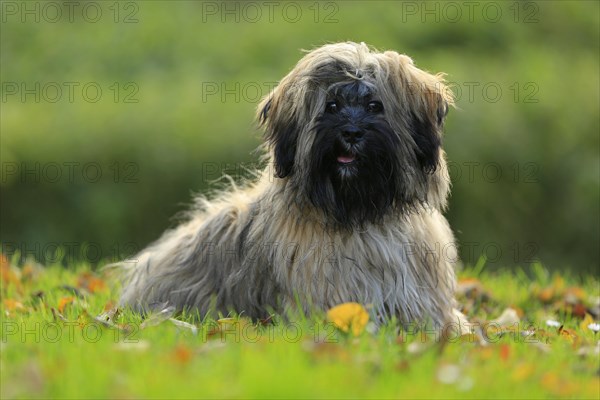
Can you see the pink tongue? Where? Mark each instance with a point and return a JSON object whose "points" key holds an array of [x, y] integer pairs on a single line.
{"points": [[345, 159]]}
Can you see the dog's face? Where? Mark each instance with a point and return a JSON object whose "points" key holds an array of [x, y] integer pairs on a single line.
{"points": [[358, 133], [352, 157]]}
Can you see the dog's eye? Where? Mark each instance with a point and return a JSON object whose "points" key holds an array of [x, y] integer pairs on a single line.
{"points": [[375, 107], [331, 107]]}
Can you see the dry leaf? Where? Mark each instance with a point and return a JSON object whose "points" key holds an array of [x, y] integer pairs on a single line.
{"points": [[182, 354], [585, 324], [522, 372], [569, 334], [546, 295], [90, 282], [504, 352], [471, 288], [13, 306], [64, 302], [9, 274]]}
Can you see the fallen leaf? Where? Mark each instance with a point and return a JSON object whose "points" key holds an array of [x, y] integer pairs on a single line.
{"points": [[585, 324], [349, 317], [182, 354], [504, 352], [13, 306], [574, 295], [9, 274], [546, 295], [522, 372], [90, 282], [569, 334], [558, 386], [64, 302], [472, 288], [578, 310]]}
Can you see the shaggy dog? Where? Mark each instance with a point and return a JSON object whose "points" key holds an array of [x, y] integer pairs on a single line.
{"points": [[348, 209]]}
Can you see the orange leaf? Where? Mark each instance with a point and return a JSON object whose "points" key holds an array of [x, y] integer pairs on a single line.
{"points": [[63, 302], [96, 285], [90, 282], [13, 305], [349, 316], [504, 352], [182, 354], [570, 335], [574, 294], [9, 275], [546, 295]]}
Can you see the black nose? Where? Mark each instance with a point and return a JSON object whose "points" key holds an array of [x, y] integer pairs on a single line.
{"points": [[352, 134]]}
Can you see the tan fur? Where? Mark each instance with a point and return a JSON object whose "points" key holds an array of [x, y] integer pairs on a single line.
{"points": [[264, 248]]}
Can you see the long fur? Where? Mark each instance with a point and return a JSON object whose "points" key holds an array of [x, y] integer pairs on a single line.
{"points": [[300, 235]]}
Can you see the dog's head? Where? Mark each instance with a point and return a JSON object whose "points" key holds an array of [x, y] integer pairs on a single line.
{"points": [[358, 133]]}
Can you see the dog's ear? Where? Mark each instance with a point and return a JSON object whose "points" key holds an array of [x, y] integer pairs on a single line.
{"points": [[281, 131], [427, 129], [428, 142], [429, 99]]}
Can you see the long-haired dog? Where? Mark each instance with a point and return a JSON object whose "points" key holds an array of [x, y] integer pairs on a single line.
{"points": [[351, 210]]}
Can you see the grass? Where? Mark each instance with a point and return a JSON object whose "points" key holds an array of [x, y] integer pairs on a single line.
{"points": [[53, 346]]}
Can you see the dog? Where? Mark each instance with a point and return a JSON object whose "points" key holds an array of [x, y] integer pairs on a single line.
{"points": [[348, 209]]}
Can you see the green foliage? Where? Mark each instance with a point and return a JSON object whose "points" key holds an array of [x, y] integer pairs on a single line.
{"points": [[540, 132], [54, 346]]}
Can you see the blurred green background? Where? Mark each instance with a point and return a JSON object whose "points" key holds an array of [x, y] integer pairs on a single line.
{"points": [[112, 114]]}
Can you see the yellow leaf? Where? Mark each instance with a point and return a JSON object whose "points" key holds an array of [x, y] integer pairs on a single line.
{"points": [[349, 317], [522, 372], [569, 334], [587, 321]]}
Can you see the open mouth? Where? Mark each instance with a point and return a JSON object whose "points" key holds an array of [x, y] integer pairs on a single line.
{"points": [[345, 155], [346, 159]]}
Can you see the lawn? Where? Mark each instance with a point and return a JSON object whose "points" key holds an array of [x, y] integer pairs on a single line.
{"points": [[535, 336]]}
